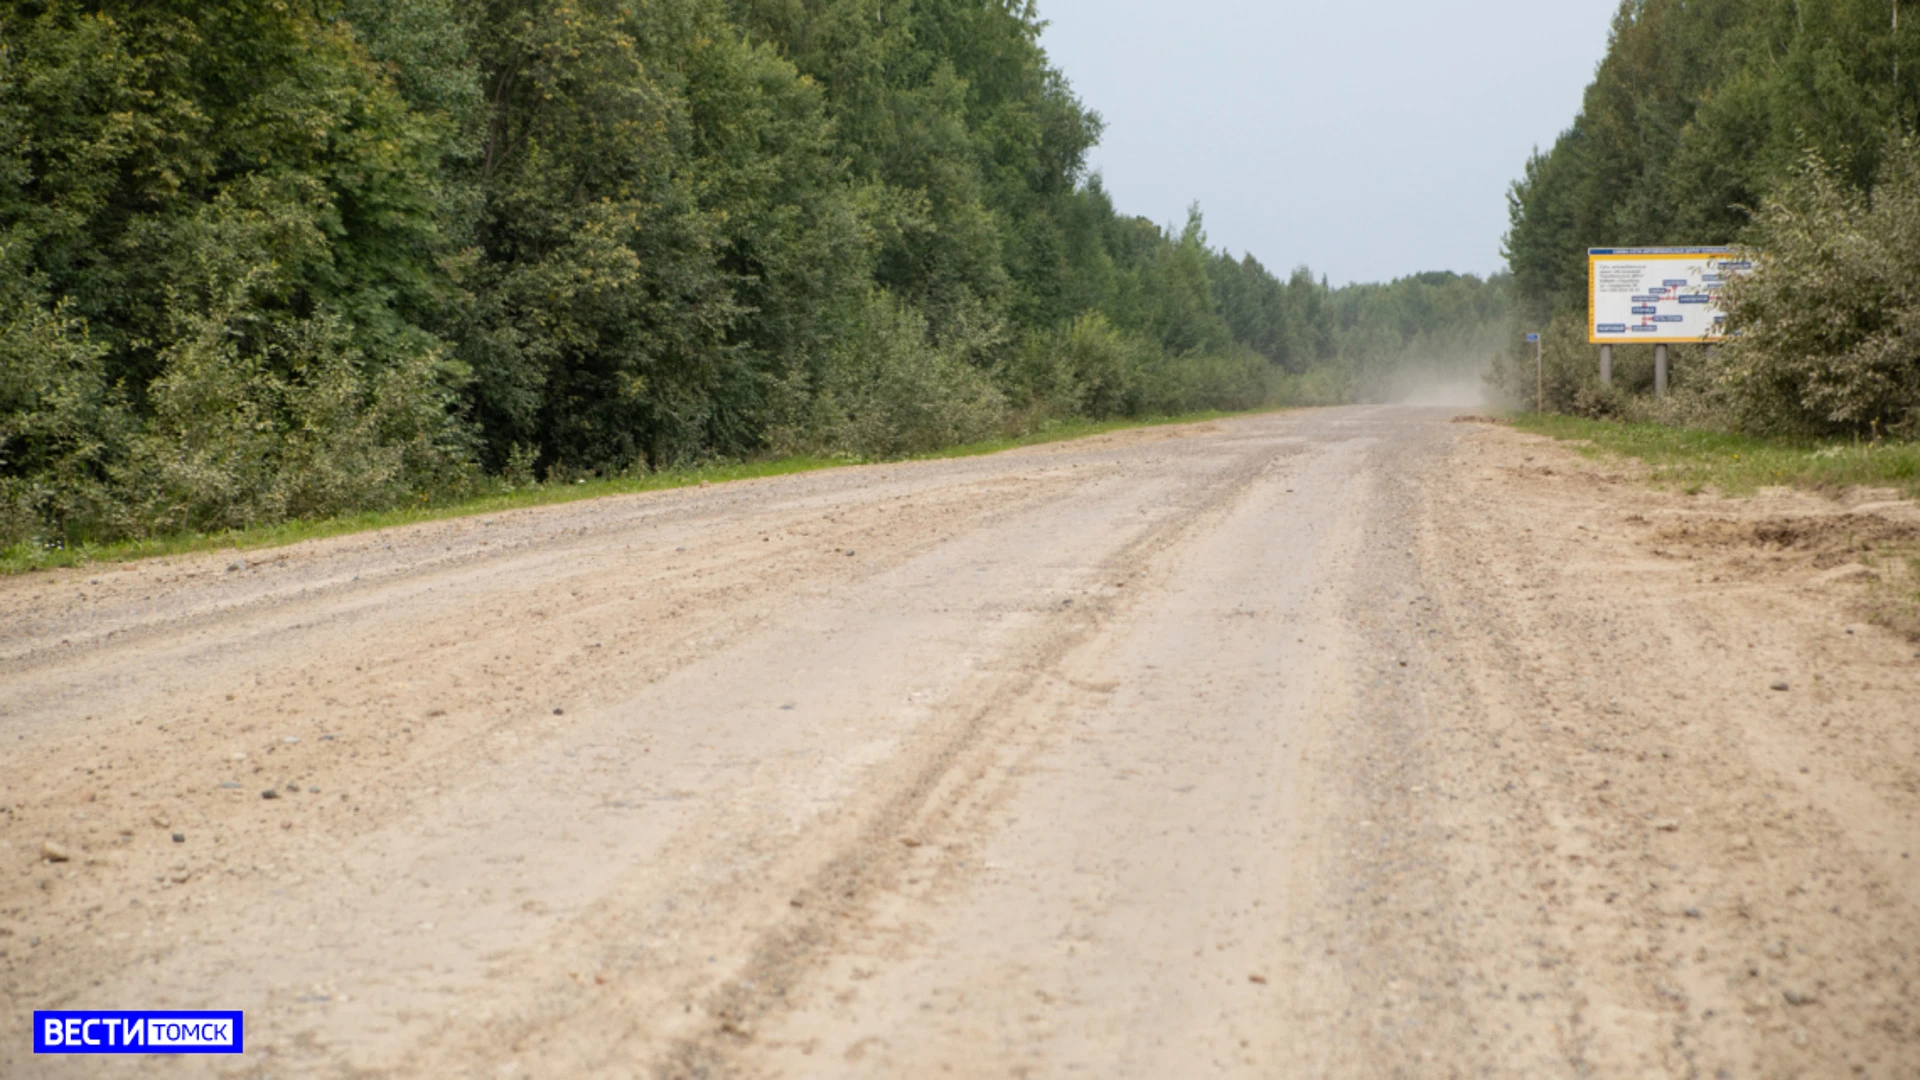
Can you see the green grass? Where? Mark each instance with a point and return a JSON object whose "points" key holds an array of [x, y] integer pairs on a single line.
{"points": [[25, 558], [1696, 461]]}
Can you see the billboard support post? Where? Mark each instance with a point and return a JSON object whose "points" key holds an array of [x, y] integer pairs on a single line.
{"points": [[1606, 365], [1660, 371], [1539, 373]]}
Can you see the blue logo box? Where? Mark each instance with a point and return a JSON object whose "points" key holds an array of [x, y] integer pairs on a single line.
{"points": [[149, 1031]]}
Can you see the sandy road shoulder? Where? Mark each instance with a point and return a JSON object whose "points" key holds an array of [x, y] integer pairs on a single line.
{"points": [[1681, 777]]}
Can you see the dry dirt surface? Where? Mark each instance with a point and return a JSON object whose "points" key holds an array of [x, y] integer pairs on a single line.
{"points": [[1341, 743]]}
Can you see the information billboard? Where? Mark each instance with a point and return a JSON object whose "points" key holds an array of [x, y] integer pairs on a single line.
{"points": [[1657, 296]]}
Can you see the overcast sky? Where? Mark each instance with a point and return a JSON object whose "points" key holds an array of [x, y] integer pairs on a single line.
{"points": [[1369, 140]]}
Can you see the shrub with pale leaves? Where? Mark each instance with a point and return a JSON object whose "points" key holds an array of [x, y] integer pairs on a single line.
{"points": [[1828, 322]]}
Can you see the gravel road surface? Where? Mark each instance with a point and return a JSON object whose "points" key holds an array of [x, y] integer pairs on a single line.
{"points": [[1348, 743]]}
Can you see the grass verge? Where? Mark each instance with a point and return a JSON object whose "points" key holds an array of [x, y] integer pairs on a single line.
{"points": [[1696, 461], [26, 558]]}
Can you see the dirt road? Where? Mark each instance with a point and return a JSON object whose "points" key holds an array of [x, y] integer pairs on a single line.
{"points": [[1351, 742]]}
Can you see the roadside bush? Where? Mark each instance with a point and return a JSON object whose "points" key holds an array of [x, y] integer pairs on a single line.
{"points": [[258, 412], [299, 427], [218, 244], [886, 390], [1226, 380], [1828, 322], [62, 428], [1106, 364], [1323, 385], [1087, 368]]}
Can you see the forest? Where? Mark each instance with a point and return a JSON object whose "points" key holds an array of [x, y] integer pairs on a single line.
{"points": [[1784, 126], [275, 259]]}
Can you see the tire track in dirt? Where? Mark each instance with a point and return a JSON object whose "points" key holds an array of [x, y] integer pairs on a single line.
{"points": [[941, 794]]}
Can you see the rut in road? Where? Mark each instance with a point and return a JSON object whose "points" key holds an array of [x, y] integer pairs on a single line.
{"points": [[949, 782], [1349, 742]]}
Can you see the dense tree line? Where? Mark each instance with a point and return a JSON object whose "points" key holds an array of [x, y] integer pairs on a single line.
{"points": [[1735, 121], [272, 258]]}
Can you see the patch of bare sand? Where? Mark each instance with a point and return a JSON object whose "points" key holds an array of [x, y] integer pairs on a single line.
{"points": [[1691, 776]]}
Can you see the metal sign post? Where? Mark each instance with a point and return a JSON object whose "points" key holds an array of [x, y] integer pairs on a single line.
{"points": [[1606, 365], [1539, 375]]}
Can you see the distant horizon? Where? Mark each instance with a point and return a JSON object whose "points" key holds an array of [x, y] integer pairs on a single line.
{"points": [[1347, 205]]}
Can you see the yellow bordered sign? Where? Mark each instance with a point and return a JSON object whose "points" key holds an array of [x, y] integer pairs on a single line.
{"points": [[1658, 296]]}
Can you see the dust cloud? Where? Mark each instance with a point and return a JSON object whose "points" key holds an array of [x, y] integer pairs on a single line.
{"points": [[1437, 385]]}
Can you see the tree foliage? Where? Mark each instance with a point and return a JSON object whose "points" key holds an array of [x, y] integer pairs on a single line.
{"points": [[1701, 115], [1829, 323], [270, 258]]}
